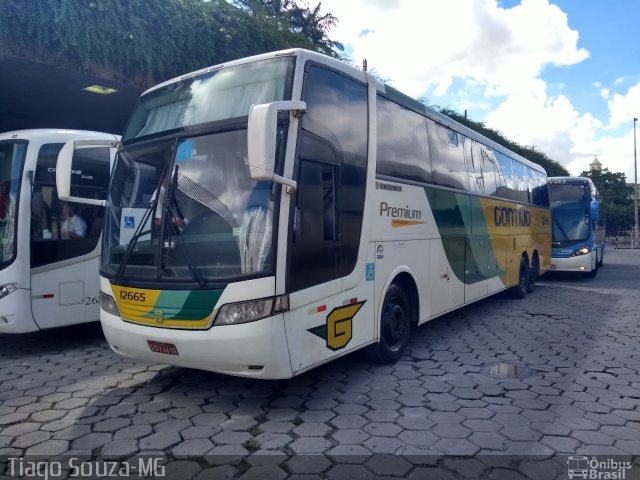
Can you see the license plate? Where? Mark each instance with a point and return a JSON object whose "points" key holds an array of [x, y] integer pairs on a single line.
{"points": [[159, 347]]}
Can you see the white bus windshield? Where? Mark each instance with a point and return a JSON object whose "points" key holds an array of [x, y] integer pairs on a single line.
{"points": [[12, 156], [187, 210], [211, 96]]}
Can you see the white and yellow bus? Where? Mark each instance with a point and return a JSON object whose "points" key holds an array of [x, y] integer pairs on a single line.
{"points": [[273, 213], [49, 276]]}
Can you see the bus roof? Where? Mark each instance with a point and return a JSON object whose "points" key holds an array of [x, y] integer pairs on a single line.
{"points": [[387, 90], [55, 134]]}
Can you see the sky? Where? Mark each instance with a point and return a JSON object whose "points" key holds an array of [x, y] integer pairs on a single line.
{"points": [[562, 76]]}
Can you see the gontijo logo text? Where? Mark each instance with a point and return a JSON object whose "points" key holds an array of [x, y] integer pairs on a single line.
{"points": [[511, 217]]}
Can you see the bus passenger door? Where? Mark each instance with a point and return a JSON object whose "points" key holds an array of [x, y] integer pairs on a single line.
{"points": [[65, 239], [325, 223]]}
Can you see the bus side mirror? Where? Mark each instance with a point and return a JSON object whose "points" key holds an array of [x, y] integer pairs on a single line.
{"points": [[261, 139], [67, 172], [595, 210]]}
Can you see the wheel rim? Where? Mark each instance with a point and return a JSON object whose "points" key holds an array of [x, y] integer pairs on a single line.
{"points": [[395, 324]]}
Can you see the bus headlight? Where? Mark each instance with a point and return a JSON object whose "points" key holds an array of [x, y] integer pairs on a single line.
{"points": [[244, 312], [108, 304], [7, 289], [582, 251]]}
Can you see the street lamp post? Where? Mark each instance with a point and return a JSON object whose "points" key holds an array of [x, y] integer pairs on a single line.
{"points": [[635, 187]]}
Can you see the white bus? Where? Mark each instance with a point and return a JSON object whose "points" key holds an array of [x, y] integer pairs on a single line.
{"points": [[273, 213], [48, 278]]}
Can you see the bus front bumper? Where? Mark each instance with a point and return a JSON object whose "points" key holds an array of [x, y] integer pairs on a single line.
{"points": [[256, 349], [581, 263]]}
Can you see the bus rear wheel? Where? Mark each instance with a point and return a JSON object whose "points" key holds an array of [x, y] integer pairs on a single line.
{"points": [[395, 327], [519, 291], [533, 274]]}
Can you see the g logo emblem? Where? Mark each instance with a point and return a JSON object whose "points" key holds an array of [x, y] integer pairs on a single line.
{"points": [[338, 330]]}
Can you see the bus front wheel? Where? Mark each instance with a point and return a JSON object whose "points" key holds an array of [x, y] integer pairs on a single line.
{"points": [[594, 270], [519, 291], [395, 327]]}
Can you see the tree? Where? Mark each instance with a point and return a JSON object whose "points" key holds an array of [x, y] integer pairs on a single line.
{"points": [[305, 21], [143, 42], [616, 199]]}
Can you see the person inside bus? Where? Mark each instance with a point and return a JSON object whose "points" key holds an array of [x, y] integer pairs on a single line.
{"points": [[73, 226]]}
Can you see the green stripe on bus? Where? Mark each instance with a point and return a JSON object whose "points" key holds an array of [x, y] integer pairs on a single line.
{"points": [[465, 237]]}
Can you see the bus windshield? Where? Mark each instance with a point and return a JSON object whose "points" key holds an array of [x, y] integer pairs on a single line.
{"points": [[570, 212], [187, 210], [571, 223], [211, 96], [12, 156]]}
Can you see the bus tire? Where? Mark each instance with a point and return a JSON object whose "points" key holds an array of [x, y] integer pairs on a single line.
{"points": [[533, 274], [601, 260], [395, 327], [593, 272], [519, 291]]}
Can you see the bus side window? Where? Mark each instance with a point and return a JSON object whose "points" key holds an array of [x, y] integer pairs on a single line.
{"points": [[447, 157], [508, 185], [403, 147], [489, 171], [47, 242]]}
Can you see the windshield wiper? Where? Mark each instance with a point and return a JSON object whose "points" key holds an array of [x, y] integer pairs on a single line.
{"points": [[172, 202], [559, 225]]}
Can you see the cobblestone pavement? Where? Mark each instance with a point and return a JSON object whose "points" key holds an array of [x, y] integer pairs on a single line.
{"points": [[64, 393]]}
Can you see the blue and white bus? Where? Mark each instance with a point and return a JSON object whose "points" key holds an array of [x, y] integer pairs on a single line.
{"points": [[578, 245]]}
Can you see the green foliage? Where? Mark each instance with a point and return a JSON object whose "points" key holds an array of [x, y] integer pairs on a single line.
{"points": [[142, 42], [552, 167], [616, 199]]}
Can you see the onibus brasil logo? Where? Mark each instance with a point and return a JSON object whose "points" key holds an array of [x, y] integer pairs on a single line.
{"points": [[594, 469]]}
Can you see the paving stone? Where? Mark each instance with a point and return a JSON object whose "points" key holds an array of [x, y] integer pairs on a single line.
{"points": [[225, 472], [91, 441], [133, 432], [312, 430], [487, 440], [451, 430], [119, 448], [352, 472], [561, 444], [111, 424], [192, 447], [307, 464], [18, 429], [270, 441], [348, 421], [521, 434], [451, 446], [30, 439], [418, 438], [231, 437], [592, 438], [310, 445], [159, 441], [48, 449], [172, 426], [388, 465]]}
